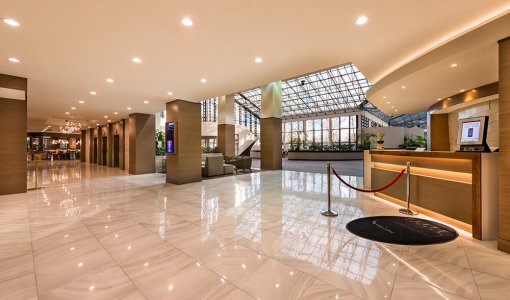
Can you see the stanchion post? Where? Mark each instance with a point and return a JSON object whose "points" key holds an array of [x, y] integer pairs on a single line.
{"points": [[329, 212], [407, 210]]}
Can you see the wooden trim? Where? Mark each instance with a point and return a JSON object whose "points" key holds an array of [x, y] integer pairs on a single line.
{"points": [[442, 218], [434, 154], [477, 197], [473, 94]]}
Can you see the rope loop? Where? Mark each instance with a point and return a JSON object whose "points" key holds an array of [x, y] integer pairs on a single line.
{"points": [[370, 191]]}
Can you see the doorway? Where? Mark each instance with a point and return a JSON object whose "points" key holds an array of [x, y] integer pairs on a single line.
{"points": [[116, 152], [103, 162], [94, 151]]}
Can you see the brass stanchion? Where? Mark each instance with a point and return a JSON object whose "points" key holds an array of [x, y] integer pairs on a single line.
{"points": [[407, 210], [37, 187], [329, 212]]}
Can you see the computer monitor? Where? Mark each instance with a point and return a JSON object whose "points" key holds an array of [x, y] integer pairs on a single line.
{"points": [[472, 134]]}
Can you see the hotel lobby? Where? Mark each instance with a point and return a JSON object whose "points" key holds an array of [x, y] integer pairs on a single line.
{"points": [[231, 150]]}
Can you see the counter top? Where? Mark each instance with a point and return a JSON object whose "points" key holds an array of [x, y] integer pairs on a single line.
{"points": [[437, 154]]}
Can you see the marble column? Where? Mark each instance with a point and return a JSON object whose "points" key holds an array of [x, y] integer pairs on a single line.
{"points": [[184, 165], [142, 146], [13, 136], [226, 125], [504, 145], [271, 126]]}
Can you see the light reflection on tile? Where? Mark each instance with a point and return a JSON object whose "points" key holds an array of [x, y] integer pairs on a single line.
{"points": [[98, 233]]}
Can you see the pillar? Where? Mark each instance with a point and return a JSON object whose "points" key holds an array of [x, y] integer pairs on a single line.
{"points": [[83, 145], [109, 147], [271, 126], [504, 145], [226, 125], [184, 165], [142, 147], [13, 134]]}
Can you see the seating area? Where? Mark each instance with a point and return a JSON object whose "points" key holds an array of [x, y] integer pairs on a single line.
{"points": [[214, 164], [240, 162]]}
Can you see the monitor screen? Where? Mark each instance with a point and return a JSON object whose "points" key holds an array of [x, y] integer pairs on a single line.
{"points": [[470, 132], [170, 137]]}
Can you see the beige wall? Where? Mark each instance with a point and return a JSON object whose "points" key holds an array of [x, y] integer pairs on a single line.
{"points": [[489, 108]]}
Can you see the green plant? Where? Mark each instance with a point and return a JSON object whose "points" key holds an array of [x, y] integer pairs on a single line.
{"points": [[365, 140], [412, 141], [209, 149], [314, 147], [160, 142], [295, 144]]}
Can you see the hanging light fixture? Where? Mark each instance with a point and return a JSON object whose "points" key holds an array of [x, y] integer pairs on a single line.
{"points": [[70, 127]]}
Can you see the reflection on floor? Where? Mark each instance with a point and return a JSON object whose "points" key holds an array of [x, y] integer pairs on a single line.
{"points": [[98, 233], [344, 167]]}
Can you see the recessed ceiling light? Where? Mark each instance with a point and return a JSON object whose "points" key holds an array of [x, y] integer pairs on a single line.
{"points": [[72, 107], [129, 108], [170, 93], [97, 124], [403, 87], [384, 97], [453, 65], [115, 113], [106, 117], [361, 20], [187, 22], [67, 112], [93, 93], [11, 22], [258, 60], [136, 60], [388, 102], [13, 60], [109, 121], [203, 80], [109, 80], [145, 101], [462, 91], [81, 101], [393, 107], [396, 110], [438, 99]]}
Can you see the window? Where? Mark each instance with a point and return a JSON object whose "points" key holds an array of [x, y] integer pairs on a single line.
{"points": [[344, 129], [209, 110]]}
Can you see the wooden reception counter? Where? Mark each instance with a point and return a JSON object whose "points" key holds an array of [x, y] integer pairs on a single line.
{"points": [[459, 188]]}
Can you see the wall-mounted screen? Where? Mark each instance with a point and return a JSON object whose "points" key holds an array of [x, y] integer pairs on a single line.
{"points": [[170, 137], [472, 131]]}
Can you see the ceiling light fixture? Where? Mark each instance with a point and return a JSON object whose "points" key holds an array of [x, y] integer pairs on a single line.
{"points": [[70, 127], [72, 107], [109, 121], [11, 22], [462, 91], [129, 108], [384, 97], [396, 110], [67, 112], [361, 20], [258, 60], [106, 117], [13, 60], [388, 102], [115, 113], [438, 99], [403, 87], [81, 101], [136, 60], [145, 101], [187, 22], [203, 80], [169, 93], [93, 93], [453, 65], [109, 80]]}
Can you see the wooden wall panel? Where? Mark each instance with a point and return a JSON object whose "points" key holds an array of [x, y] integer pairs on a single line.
{"points": [[439, 132], [226, 139], [13, 138], [142, 151], [271, 143], [504, 145]]}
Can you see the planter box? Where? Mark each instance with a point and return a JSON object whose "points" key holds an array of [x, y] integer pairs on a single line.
{"points": [[325, 155]]}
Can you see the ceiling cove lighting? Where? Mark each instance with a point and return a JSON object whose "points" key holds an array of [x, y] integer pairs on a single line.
{"points": [[258, 60], [361, 20], [203, 80], [11, 22], [136, 60], [93, 93], [187, 22], [13, 60], [109, 80]]}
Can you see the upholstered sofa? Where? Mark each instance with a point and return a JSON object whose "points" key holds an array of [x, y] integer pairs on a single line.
{"points": [[213, 165]]}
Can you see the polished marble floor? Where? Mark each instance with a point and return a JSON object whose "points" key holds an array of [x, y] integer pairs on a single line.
{"points": [[97, 233]]}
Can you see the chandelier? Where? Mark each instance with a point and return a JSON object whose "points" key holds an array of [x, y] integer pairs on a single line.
{"points": [[70, 127]]}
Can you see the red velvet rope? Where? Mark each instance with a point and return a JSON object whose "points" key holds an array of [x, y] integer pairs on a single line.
{"points": [[370, 191]]}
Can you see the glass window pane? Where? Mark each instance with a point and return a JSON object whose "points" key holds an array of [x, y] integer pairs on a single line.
{"points": [[317, 124], [325, 137], [309, 136], [344, 122], [353, 136], [325, 123], [344, 135], [335, 135], [309, 125], [353, 122], [300, 125], [335, 123]]}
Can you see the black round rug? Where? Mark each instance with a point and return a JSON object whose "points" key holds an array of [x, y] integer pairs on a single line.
{"points": [[402, 230]]}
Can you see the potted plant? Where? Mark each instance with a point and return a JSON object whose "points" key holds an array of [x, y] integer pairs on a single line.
{"points": [[379, 140]]}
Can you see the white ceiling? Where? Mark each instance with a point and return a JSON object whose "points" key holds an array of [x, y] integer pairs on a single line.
{"points": [[68, 48]]}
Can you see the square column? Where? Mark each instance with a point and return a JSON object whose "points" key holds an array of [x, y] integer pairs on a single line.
{"points": [[184, 165], [142, 147], [504, 145], [271, 126], [13, 136], [226, 125]]}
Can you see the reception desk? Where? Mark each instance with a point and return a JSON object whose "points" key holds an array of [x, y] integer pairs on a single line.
{"points": [[458, 188]]}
